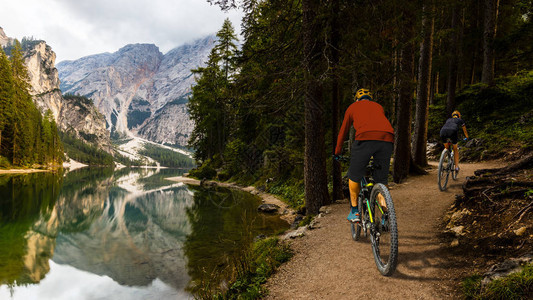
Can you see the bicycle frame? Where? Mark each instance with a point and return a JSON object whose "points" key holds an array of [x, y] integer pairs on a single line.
{"points": [[452, 153], [449, 167], [366, 189]]}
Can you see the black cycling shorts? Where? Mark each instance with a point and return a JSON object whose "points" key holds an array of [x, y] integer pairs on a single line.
{"points": [[361, 153], [446, 134]]}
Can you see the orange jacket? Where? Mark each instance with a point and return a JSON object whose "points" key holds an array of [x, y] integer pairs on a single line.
{"points": [[369, 122]]}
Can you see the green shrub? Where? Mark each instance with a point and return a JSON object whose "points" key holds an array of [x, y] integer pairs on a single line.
{"points": [[265, 257], [306, 220], [205, 171], [471, 286], [4, 163], [223, 176], [515, 286], [292, 193]]}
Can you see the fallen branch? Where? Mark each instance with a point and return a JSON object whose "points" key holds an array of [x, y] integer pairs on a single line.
{"points": [[524, 209], [484, 193], [522, 213], [510, 193], [524, 163], [479, 180]]}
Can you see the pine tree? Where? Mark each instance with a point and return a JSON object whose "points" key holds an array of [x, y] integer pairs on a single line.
{"points": [[489, 33], [6, 98], [226, 48], [23, 114], [46, 136], [211, 97], [56, 145], [422, 94], [315, 176], [203, 108], [29, 137]]}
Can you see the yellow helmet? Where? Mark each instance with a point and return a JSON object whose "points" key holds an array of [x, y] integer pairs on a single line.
{"points": [[456, 114], [363, 94]]}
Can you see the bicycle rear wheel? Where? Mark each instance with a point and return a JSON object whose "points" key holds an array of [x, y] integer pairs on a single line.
{"points": [[384, 231], [452, 167], [444, 171]]}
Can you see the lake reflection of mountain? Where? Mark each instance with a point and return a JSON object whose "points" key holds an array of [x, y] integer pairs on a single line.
{"points": [[28, 226], [99, 233], [135, 240]]}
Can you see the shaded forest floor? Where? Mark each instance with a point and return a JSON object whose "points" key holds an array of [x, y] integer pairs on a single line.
{"points": [[328, 264], [491, 222]]}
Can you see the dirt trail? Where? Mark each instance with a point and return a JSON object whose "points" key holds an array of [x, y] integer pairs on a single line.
{"points": [[328, 264]]}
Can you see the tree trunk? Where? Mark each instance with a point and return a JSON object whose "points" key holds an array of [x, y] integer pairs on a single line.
{"points": [[395, 85], [335, 101], [15, 137], [434, 87], [452, 62], [460, 58], [402, 141], [473, 69], [423, 88], [315, 176], [489, 32]]}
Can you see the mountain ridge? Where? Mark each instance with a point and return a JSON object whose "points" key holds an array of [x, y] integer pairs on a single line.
{"points": [[138, 89]]}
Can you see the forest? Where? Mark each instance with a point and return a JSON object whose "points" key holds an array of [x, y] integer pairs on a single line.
{"points": [[268, 108], [26, 137], [166, 157]]}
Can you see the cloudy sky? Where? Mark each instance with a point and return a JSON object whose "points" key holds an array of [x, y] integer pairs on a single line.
{"points": [[77, 28]]}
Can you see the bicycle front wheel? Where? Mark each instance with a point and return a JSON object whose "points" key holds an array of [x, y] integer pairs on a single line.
{"points": [[444, 170], [384, 234]]}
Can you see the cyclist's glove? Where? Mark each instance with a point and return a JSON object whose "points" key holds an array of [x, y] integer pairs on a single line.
{"points": [[465, 139]]}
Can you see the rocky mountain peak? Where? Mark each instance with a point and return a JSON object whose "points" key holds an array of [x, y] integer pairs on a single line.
{"points": [[79, 119], [139, 90], [4, 40]]}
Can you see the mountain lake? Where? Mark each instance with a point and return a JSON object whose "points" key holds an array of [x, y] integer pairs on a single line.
{"points": [[97, 233]]}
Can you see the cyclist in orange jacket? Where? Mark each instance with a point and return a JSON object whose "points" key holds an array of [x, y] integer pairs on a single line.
{"points": [[374, 137]]}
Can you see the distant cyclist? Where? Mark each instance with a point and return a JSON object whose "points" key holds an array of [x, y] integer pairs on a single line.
{"points": [[450, 131], [374, 137]]}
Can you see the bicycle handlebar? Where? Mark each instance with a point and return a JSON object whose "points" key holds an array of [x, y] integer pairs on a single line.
{"points": [[341, 158]]}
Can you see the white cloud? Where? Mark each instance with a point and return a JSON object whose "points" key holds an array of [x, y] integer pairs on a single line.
{"points": [[76, 28], [64, 282]]}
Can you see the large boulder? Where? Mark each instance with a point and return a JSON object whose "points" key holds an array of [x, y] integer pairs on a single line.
{"points": [[268, 208]]}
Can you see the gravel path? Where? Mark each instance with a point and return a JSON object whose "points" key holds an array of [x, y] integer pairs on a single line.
{"points": [[328, 264]]}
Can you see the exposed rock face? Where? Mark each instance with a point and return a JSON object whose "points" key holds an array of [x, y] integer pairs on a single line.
{"points": [[112, 81], [44, 80], [138, 89], [170, 125], [83, 120], [4, 40], [79, 119]]}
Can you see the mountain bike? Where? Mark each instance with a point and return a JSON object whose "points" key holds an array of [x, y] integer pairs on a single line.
{"points": [[377, 221], [446, 166]]}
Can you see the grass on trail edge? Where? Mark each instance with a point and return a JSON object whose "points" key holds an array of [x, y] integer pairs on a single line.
{"points": [[253, 269], [515, 286]]}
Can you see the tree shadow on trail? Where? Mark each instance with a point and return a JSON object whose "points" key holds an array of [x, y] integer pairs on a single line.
{"points": [[414, 265]]}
